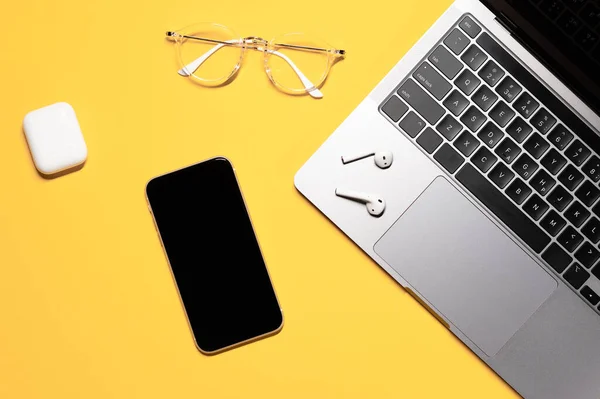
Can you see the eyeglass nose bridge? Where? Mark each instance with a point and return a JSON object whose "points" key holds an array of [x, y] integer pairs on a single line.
{"points": [[255, 42]]}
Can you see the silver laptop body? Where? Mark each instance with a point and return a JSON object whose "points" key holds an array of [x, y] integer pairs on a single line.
{"points": [[496, 257]]}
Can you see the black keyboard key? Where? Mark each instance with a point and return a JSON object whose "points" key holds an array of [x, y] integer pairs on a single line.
{"points": [[542, 182], [509, 89], [536, 145], [577, 214], [590, 14], [526, 105], [456, 103], [576, 276], [587, 193], [553, 223], [560, 137], [570, 177], [449, 158], [596, 271], [490, 135], [456, 41], [575, 4], [412, 124], [553, 161], [491, 73], [467, 82], [560, 198], [470, 27], [394, 108], [525, 166], [466, 143], [543, 121], [484, 159], [518, 191], [426, 106], [552, 8], [570, 239], [501, 175], [508, 150], [449, 127], [592, 168], [473, 119], [586, 38], [429, 140], [577, 153], [484, 98], [474, 57], [519, 129], [443, 60], [596, 209], [503, 208], [587, 255], [592, 230], [569, 23], [535, 207], [557, 258], [432, 81], [502, 114], [590, 295]]}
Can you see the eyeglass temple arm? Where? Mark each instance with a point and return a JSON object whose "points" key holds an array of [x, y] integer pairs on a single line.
{"points": [[190, 68], [231, 42], [298, 47]]}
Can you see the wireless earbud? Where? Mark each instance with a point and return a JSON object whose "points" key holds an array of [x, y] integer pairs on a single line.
{"points": [[383, 159], [375, 204]]}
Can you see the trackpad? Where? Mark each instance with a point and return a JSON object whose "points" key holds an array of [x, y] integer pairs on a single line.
{"points": [[465, 266]]}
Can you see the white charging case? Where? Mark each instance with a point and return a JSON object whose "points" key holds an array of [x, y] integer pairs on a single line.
{"points": [[54, 138]]}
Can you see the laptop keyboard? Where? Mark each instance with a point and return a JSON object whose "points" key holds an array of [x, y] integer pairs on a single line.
{"points": [[493, 127]]}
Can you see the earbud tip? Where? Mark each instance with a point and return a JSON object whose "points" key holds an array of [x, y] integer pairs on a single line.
{"points": [[384, 159]]}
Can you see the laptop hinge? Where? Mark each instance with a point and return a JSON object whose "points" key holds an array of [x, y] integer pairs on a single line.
{"points": [[506, 23]]}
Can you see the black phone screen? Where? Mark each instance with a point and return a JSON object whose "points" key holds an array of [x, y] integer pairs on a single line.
{"points": [[214, 255]]}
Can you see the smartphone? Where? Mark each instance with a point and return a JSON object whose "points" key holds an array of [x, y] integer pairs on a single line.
{"points": [[215, 258]]}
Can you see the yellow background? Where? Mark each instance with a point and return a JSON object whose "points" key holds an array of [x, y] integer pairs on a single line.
{"points": [[88, 308]]}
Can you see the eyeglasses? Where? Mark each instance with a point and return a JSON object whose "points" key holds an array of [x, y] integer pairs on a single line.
{"points": [[212, 54]]}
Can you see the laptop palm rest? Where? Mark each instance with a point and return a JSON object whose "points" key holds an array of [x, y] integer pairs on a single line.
{"points": [[469, 270]]}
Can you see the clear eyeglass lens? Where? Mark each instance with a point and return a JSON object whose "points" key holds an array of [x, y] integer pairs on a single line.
{"points": [[221, 64], [300, 50]]}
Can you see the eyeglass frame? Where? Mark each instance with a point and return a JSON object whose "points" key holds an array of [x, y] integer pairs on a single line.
{"points": [[259, 44]]}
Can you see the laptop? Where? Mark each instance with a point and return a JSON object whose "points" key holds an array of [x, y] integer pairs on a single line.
{"points": [[492, 201]]}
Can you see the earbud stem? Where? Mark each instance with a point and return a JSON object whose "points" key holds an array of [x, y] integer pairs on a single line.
{"points": [[352, 195], [346, 160]]}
